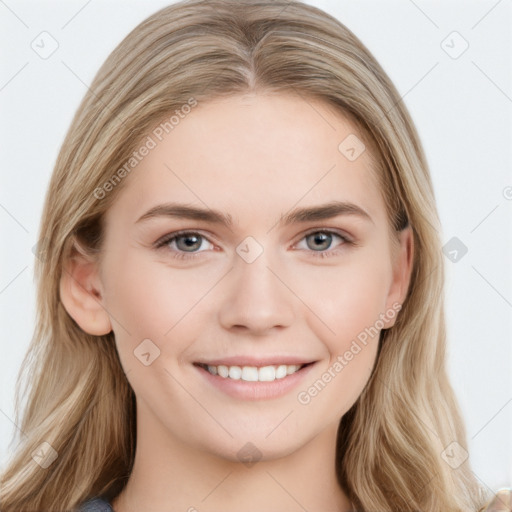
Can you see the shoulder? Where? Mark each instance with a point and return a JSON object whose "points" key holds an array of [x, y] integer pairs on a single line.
{"points": [[95, 505]]}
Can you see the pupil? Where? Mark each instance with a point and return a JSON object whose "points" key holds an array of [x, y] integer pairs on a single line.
{"points": [[188, 244], [322, 238]]}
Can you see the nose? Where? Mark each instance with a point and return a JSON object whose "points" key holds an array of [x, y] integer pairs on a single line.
{"points": [[256, 297]]}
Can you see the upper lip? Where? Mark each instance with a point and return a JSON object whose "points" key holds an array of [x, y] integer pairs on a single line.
{"points": [[257, 361]]}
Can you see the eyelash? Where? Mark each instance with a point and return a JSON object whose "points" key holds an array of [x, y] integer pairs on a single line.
{"points": [[159, 244]]}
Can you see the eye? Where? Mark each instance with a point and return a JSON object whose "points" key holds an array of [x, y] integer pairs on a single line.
{"points": [[186, 241], [320, 240], [186, 244]]}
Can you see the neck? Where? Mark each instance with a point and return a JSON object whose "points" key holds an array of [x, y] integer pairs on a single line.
{"points": [[169, 475]]}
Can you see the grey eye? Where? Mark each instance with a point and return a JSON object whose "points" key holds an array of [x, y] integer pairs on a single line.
{"points": [[320, 240], [191, 241]]}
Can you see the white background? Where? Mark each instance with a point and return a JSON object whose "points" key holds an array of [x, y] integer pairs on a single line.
{"points": [[462, 108]]}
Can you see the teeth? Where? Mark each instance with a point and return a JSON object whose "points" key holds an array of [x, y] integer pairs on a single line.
{"points": [[223, 371], [292, 368], [267, 374], [281, 371], [249, 373], [253, 373], [235, 372]]}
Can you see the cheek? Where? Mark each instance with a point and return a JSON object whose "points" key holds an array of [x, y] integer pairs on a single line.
{"points": [[348, 301], [347, 298], [135, 301], [148, 300], [349, 312]]}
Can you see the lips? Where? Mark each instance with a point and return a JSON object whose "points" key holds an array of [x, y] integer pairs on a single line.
{"points": [[255, 378]]}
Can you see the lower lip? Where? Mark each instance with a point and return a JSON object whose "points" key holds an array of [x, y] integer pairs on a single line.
{"points": [[256, 390]]}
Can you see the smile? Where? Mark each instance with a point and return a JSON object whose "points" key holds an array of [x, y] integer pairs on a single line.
{"points": [[252, 381], [253, 373]]}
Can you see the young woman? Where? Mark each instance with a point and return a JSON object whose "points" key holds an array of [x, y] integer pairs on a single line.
{"points": [[240, 293]]}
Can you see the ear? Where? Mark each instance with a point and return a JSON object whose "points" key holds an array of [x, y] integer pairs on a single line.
{"points": [[81, 293], [403, 257]]}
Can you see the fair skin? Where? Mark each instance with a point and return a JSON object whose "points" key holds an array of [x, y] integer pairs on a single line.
{"points": [[255, 157]]}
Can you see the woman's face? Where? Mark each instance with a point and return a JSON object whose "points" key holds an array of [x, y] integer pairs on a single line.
{"points": [[265, 279]]}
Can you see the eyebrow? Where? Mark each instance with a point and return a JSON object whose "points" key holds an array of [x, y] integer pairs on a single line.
{"points": [[298, 215]]}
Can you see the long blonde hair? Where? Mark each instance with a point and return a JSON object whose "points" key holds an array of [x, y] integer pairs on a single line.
{"points": [[79, 404]]}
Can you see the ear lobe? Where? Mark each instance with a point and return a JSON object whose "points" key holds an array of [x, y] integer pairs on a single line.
{"points": [[80, 293], [402, 270]]}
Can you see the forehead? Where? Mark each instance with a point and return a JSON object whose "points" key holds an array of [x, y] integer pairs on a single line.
{"points": [[254, 154]]}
